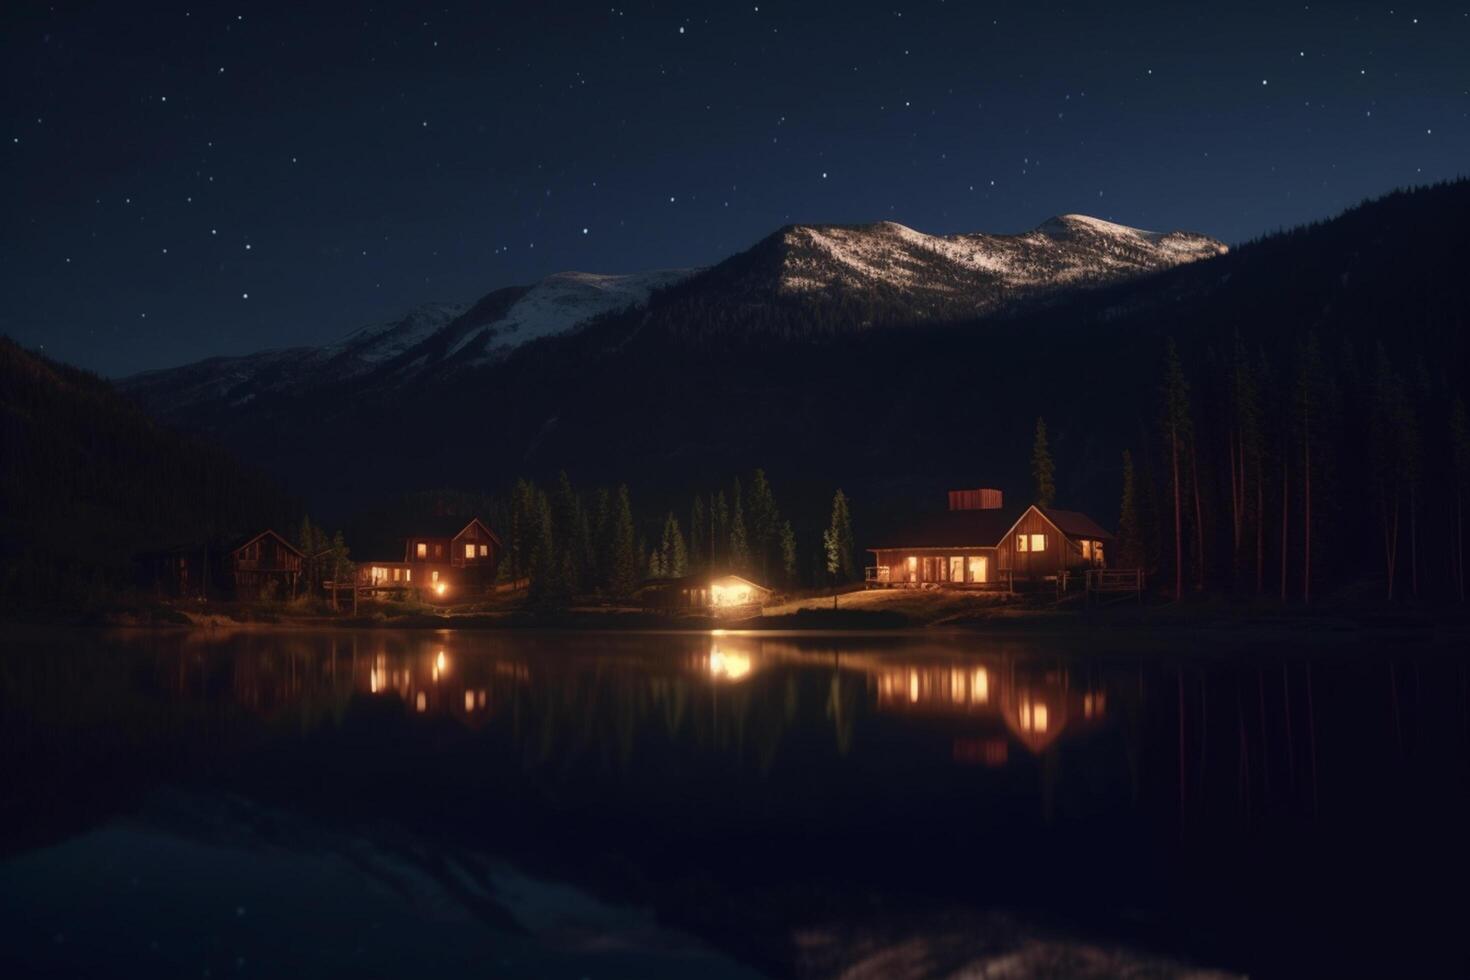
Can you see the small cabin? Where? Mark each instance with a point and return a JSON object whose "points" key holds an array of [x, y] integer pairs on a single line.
{"points": [[264, 564], [444, 559], [719, 595], [978, 543]]}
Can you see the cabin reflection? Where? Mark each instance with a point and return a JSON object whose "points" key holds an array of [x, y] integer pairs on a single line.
{"points": [[741, 694], [1033, 706]]}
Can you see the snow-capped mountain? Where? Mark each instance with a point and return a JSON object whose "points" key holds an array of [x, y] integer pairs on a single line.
{"points": [[434, 335], [557, 304], [788, 283], [977, 272]]}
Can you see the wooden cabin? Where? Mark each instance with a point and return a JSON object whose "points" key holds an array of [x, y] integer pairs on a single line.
{"points": [[979, 543], [444, 559], [264, 563], [719, 595]]}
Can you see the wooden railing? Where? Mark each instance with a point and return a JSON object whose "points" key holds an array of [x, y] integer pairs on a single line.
{"points": [[1115, 581]]}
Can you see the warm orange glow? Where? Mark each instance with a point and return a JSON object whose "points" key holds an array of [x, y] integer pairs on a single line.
{"points": [[913, 685], [728, 595], [980, 686], [421, 702], [439, 588], [728, 666], [469, 700]]}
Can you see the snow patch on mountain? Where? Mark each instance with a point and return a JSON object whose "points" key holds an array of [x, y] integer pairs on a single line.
{"points": [[562, 302], [380, 342], [1069, 249]]}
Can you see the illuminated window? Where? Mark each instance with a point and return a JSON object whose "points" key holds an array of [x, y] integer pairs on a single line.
{"points": [[484, 550], [434, 575], [396, 571], [408, 575], [423, 550], [977, 568], [469, 551], [1087, 549], [1097, 553], [1023, 542], [1038, 542]]}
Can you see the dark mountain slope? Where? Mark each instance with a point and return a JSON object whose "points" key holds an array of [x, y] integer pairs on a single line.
{"points": [[87, 481]]}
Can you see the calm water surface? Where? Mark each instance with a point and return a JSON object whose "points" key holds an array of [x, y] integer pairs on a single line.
{"points": [[668, 805]]}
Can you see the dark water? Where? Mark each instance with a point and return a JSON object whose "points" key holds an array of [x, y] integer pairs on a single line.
{"points": [[585, 805]]}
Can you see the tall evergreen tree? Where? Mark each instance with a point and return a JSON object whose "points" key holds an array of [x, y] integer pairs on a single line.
{"points": [[1178, 434], [1386, 459], [623, 571], [765, 525], [699, 544], [1043, 470], [739, 542], [572, 535], [837, 541], [673, 558], [1460, 462], [546, 582], [719, 513], [523, 528], [788, 554], [1130, 538]]}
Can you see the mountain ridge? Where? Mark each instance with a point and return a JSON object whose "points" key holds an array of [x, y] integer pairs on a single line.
{"points": [[883, 269]]}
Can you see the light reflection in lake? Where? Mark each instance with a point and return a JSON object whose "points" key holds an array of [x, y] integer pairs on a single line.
{"points": [[1219, 787]]}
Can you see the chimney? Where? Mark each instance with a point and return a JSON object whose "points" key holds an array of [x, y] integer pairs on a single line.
{"points": [[981, 499]]}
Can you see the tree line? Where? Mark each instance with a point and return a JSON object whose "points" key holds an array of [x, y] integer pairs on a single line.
{"points": [[1284, 476], [564, 542]]}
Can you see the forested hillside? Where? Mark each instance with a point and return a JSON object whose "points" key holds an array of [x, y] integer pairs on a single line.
{"points": [[87, 482]]}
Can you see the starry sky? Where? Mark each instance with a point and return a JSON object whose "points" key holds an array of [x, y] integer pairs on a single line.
{"points": [[197, 180]]}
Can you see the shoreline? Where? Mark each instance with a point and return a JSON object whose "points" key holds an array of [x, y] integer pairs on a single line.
{"points": [[888, 614]]}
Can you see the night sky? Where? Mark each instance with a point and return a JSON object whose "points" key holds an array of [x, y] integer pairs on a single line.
{"points": [[197, 180]]}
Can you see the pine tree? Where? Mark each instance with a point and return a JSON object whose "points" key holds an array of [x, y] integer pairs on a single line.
{"points": [[623, 578], [1043, 470], [1130, 543], [739, 542], [571, 535], [544, 570], [1385, 455], [673, 558], [765, 525], [837, 541], [1178, 432], [1460, 461], [719, 513], [788, 553], [698, 536], [523, 528]]}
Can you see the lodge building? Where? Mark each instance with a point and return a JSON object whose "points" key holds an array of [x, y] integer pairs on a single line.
{"points": [[979, 543], [444, 559]]}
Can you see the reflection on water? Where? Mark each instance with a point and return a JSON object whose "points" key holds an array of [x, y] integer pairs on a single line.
{"points": [[762, 790]]}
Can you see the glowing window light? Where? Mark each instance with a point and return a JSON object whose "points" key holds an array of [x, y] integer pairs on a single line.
{"points": [[421, 702], [469, 700], [440, 588], [980, 686], [1038, 716], [913, 685]]}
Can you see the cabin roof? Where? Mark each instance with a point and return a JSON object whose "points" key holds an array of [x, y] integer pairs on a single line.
{"points": [[954, 529], [268, 532], [1075, 524], [984, 528], [445, 527]]}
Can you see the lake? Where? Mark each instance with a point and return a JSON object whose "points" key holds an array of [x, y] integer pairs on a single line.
{"points": [[540, 804]]}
